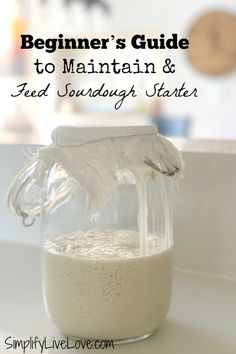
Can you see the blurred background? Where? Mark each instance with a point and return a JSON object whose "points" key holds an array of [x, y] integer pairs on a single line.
{"points": [[209, 65]]}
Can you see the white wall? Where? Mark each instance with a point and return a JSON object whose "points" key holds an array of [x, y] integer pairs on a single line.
{"points": [[205, 214]]}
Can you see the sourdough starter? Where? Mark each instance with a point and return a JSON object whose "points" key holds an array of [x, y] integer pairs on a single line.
{"points": [[98, 286]]}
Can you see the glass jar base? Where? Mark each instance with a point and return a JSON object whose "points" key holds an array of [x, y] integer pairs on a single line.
{"points": [[132, 339], [115, 341]]}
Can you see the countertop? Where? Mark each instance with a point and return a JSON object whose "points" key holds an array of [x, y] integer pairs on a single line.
{"points": [[201, 320]]}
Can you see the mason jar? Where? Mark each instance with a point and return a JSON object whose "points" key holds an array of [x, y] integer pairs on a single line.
{"points": [[106, 229]]}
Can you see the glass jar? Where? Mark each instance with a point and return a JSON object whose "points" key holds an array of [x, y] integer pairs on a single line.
{"points": [[106, 228]]}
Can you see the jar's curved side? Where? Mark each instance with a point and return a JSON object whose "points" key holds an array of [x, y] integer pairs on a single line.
{"points": [[167, 210], [24, 195], [19, 184]]}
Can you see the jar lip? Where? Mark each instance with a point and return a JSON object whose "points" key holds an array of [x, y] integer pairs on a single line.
{"points": [[72, 135]]}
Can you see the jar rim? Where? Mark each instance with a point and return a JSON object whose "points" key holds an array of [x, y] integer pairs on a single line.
{"points": [[72, 135]]}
